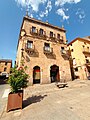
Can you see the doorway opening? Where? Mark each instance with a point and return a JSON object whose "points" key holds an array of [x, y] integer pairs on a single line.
{"points": [[54, 73], [36, 75]]}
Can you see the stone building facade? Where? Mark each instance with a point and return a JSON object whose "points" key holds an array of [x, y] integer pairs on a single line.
{"points": [[5, 66], [79, 49], [42, 48]]}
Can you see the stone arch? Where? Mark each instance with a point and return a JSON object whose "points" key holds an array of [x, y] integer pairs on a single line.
{"points": [[54, 73], [36, 75]]}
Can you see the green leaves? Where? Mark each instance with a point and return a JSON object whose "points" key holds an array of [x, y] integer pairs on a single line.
{"points": [[17, 79]]}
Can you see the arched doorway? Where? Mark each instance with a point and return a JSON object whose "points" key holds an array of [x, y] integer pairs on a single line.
{"points": [[54, 73], [36, 75]]}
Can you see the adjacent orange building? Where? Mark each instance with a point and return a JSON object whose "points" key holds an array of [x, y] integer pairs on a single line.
{"points": [[79, 49], [5, 66]]}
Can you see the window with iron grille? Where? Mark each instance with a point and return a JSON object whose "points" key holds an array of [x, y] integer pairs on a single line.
{"points": [[47, 46], [33, 29], [29, 44], [51, 34], [41, 32]]}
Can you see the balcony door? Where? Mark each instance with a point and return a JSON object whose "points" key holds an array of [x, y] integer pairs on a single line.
{"points": [[47, 46], [29, 44], [36, 75], [54, 73]]}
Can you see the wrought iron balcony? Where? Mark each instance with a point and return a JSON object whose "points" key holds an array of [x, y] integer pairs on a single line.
{"points": [[47, 50], [53, 38], [38, 34], [29, 49], [43, 35], [34, 32]]}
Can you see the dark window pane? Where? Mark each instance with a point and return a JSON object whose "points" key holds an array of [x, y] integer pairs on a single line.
{"points": [[5, 63], [51, 34], [5, 69], [41, 31], [29, 44], [47, 46], [58, 36], [62, 48], [33, 29], [76, 69]]}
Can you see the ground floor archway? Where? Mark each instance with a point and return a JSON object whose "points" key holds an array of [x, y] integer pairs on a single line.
{"points": [[36, 75], [54, 73]]}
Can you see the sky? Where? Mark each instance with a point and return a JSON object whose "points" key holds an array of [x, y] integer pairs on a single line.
{"points": [[74, 15]]}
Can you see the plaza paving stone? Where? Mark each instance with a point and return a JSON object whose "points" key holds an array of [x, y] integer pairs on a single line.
{"points": [[48, 102]]}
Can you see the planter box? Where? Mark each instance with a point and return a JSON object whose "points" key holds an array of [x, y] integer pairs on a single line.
{"points": [[15, 100]]}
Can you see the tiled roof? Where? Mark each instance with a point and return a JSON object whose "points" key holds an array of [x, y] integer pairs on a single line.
{"points": [[5, 60]]}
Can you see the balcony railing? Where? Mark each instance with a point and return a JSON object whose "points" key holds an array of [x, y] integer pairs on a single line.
{"points": [[61, 41], [29, 49], [38, 34], [34, 32], [48, 50], [53, 38], [43, 35]]}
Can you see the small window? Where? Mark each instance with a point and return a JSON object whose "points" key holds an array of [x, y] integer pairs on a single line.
{"points": [[41, 32], [29, 44], [51, 34], [33, 29], [87, 61], [83, 46], [5, 69], [85, 43], [47, 46], [58, 36], [62, 48], [71, 50], [87, 47], [76, 69], [5, 63], [71, 44]]}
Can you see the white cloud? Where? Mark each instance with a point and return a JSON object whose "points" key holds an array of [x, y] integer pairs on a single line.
{"points": [[33, 3], [48, 8], [33, 6], [63, 2], [81, 15], [62, 13], [45, 13], [49, 5]]}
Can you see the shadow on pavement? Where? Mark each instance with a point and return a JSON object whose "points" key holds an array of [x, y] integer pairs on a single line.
{"points": [[33, 99]]}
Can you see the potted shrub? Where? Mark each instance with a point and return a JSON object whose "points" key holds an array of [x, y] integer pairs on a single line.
{"points": [[17, 81]]}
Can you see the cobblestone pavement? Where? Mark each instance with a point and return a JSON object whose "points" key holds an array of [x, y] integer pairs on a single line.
{"points": [[3, 98], [47, 102]]}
